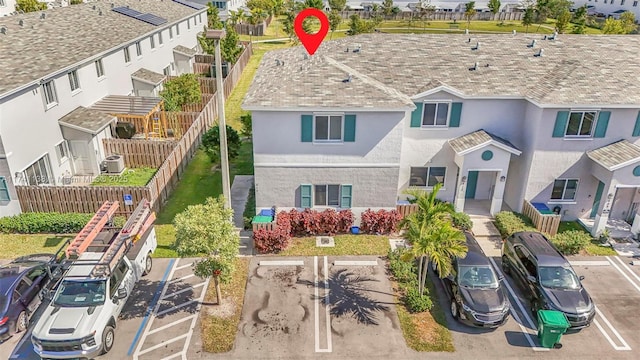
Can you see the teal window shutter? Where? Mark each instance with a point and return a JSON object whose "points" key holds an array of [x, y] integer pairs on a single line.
{"points": [[456, 111], [4, 189], [416, 116], [561, 124], [636, 129], [601, 125], [350, 128], [305, 196], [307, 128], [345, 196]]}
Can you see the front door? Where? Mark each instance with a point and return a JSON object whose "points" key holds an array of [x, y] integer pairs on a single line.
{"points": [[81, 157], [472, 183], [596, 200]]}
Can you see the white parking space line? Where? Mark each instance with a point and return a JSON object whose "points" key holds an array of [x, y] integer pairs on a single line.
{"points": [[623, 274], [317, 305], [181, 279], [175, 307], [170, 324], [355, 263], [625, 346], [281, 263], [184, 266], [589, 263], [327, 308], [514, 313], [183, 290], [174, 356], [161, 344], [626, 266]]}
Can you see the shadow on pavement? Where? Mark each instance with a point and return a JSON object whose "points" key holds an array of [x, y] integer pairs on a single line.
{"points": [[516, 338]]}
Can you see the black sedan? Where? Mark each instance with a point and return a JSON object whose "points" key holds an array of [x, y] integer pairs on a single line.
{"points": [[476, 295], [20, 284]]}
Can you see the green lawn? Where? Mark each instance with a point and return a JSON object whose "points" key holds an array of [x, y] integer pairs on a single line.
{"points": [[594, 248], [14, 245], [345, 245], [130, 177]]}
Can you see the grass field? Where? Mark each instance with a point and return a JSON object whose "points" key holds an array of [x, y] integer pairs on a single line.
{"points": [[345, 245], [14, 245], [130, 177], [594, 248]]}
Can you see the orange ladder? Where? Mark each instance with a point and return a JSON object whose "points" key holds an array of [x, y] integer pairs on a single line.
{"points": [[89, 232]]}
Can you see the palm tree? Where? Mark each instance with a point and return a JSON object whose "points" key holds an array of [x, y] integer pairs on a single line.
{"points": [[429, 207]]}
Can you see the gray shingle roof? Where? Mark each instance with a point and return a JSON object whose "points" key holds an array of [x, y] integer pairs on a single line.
{"points": [[180, 49], [148, 76], [126, 105], [71, 35], [570, 72], [478, 139], [615, 156], [87, 120]]}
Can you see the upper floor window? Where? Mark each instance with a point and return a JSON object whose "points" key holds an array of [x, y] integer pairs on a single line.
{"points": [[188, 23], [427, 176], [3, 3], [160, 41], [153, 42], [635, 3], [99, 68], [200, 18], [564, 189], [49, 92], [178, 29], [127, 55], [435, 114], [138, 49], [170, 32], [580, 123], [73, 80], [167, 70], [328, 128]]}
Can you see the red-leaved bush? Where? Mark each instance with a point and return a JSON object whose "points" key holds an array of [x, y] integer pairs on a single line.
{"points": [[270, 241], [379, 222], [311, 222]]}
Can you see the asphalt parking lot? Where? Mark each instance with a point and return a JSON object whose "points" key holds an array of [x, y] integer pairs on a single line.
{"points": [[156, 323]]}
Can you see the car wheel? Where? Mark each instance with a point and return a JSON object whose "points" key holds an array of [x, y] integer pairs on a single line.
{"points": [[505, 265], [148, 264], [108, 338], [22, 322], [455, 312]]}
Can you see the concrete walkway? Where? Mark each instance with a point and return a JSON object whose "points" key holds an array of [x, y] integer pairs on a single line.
{"points": [[239, 193], [487, 235]]}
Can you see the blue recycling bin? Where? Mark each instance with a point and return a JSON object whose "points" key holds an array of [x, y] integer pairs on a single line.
{"points": [[355, 230]]}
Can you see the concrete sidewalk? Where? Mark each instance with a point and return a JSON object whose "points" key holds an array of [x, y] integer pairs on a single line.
{"points": [[487, 235], [239, 193]]}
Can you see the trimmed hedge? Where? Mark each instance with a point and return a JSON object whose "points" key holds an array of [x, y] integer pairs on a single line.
{"points": [[461, 221], [571, 242], [509, 222], [379, 222], [48, 223]]}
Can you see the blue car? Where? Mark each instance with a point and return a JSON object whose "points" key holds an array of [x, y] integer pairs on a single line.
{"points": [[21, 282]]}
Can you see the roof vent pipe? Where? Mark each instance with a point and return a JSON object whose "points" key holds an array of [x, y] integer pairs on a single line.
{"points": [[539, 53], [533, 43]]}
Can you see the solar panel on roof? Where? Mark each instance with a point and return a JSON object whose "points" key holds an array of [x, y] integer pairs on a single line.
{"points": [[148, 18], [190, 4]]}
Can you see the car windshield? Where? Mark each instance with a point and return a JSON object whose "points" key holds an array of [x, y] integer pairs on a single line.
{"points": [[477, 277], [557, 277], [80, 293]]}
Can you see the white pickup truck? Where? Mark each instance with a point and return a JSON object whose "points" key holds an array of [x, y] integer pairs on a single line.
{"points": [[81, 318]]}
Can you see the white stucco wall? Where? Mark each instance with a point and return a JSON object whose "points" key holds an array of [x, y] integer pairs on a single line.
{"points": [[611, 6], [7, 7]]}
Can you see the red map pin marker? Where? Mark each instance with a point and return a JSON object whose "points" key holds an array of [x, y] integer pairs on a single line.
{"points": [[311, 42]]}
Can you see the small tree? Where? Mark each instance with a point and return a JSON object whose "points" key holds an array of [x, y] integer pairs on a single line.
{"points": [[318, 4], [30, 5], [211, 143], [229, 45], [337, 4], [206, 230], [494, 6], [185, 89], [76, 2], [469, 12], [334, 21], [563, 21], [527, 18], [628, 20], [580, 19], [387, 7], [247, 129], [613, 26]]}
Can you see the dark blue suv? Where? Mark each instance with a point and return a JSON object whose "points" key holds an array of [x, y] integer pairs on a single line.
{"points": [[21, 282]]}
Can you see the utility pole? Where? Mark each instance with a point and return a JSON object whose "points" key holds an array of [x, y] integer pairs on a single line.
{"points": [[218, 35]]}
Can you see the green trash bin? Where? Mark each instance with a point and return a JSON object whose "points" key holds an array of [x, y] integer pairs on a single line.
{"points": [[551, 325]]}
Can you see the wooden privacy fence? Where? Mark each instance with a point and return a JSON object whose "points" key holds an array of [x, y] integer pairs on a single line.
{"points": [[440, 15], [140, 153], [546, 223], [266, 226], [406, 209], [201, 68], [87, 199], [197, 107], [207, 85]]}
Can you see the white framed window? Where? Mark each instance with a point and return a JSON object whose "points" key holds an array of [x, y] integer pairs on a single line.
{"points": [[171, 33], [138, 49], [189, 24], [73, 80], [99, 68], [178, 29], [200, 18], [152, 41], [328, 128], [127, 55], [436, 114], [167, 70], [564, 189], [635, 3], [622, 2], [4, 187], [49, 93], [38, 173], [3, 3], [581, 123], [326, 195], [160, 41], [62, 151], [427, 176]]}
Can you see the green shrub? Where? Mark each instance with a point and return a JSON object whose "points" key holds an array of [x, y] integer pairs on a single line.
{"points": [[403, 271], [211, 143], [571, 242], [416, 303], [48, 223], [461, 221], [245, 120], [509, 222]]}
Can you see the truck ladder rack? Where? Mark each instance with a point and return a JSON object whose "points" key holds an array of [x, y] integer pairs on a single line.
{"points": [[82, 241], [138, 223]]}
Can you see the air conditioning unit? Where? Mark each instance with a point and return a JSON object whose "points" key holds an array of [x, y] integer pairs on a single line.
{"points": [[114, 164]]}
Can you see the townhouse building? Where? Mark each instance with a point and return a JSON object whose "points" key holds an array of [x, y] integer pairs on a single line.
{"points": [[58, 63], [497, 119], [610, 7]]}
